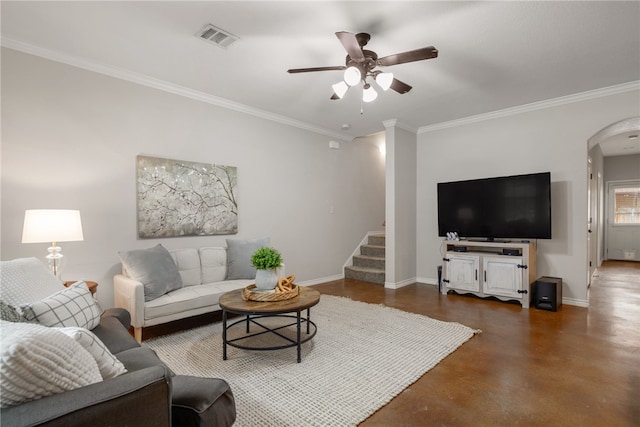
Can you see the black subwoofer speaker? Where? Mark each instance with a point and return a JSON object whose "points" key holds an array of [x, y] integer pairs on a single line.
{"points": [[547, 293]]}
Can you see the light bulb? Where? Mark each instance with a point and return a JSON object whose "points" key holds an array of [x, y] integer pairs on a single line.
{"points": [[352, 76], [384, 80], [369, 93], [340, 89]]}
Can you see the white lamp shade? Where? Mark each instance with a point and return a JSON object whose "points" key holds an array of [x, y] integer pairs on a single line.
{"points": [[384, 80], [369, 94], [340, 89], [352, 76], [51, 225]]}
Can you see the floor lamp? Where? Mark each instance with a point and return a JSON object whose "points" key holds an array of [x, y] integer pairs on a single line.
{"points": [[52, 225]]}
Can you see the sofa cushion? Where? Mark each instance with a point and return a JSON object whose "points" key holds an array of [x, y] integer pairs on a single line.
{"points": [[37, 361], [152, 267], [239, 257], [25, 280], [213, 261], [192, 297], [72, 306], [188, 263], [109, 366]]}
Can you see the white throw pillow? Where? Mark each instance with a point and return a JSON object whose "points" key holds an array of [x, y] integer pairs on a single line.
{"points": [[37, 361], [72, 306], [109, 365]]}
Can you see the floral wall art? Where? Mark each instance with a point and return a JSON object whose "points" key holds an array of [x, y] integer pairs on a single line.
{"points": [[179, 198]]}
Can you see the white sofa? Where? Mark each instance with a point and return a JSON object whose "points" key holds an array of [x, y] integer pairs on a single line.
{"points": [[204, 279]]}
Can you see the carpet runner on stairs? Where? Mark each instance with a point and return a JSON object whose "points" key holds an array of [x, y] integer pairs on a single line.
{"points": [[369, 265]]}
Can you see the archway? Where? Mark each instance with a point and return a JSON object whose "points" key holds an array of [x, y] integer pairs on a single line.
{"points": [[596, 225], [628, 125]]}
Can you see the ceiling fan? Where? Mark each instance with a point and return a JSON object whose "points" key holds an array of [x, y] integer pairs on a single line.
{"points": [[361, 63]]}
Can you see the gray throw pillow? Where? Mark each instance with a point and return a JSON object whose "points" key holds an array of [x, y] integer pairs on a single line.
{"points": [[239, 257], [11, 314], [154, 268]]}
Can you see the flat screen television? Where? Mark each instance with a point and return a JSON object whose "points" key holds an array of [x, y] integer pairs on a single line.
{"points": [[508, 207]]}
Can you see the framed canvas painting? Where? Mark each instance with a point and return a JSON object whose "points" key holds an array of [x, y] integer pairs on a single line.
{"points": [[179, 198]]}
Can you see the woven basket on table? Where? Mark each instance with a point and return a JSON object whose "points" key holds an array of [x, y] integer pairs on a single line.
{"points": [[249, 294]]}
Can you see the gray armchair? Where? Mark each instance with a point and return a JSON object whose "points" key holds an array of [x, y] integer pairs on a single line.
{"points": [[147, 394]]}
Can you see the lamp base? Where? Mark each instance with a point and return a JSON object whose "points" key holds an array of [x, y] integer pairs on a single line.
{"points": [[54, 259]]}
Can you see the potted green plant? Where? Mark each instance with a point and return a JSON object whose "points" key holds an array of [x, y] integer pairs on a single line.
{"points": [[268, 263]]}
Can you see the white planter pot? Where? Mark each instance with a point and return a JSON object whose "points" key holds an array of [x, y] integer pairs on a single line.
{"points": [[266, 280]]}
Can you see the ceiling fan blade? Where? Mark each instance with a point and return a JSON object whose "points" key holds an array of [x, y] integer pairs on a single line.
{"points": [[400, 87], [334, 97], [410, 56], [351, 45], [306, 70]]}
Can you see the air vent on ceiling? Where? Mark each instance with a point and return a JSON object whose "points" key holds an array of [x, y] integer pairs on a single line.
{"points": [[215, 35]]}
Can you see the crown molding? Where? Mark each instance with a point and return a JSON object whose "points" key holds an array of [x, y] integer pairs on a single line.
{"points": [[554, 102], [391, 123], [165, 86], [175, 89]]}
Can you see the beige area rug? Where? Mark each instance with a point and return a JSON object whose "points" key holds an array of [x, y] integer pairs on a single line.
{"points": [[362, 356]]}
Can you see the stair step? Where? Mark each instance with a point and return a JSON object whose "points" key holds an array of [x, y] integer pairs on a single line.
{"points": [[369, 262], [372, 275], [377, 240], [372, 250]]}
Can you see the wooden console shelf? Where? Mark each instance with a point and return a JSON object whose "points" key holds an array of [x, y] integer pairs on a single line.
{"points": [[501, 269]]}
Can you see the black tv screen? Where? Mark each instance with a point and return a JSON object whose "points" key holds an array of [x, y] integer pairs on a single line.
{"points": [[516, 207]]}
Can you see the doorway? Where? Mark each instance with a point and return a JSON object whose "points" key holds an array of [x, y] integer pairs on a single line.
{"points": [[611, 141], [623, 220]]}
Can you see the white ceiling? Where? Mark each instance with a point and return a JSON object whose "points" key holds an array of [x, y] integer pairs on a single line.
{"points": [[622, 144], [492, 55]]}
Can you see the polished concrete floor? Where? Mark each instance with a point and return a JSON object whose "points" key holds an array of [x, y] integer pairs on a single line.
{"points": [[529, 367], [573, 367]]}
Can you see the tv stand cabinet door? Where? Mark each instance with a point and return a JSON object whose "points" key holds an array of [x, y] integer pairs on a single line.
{"points": [[502, 277], [462, 272]]}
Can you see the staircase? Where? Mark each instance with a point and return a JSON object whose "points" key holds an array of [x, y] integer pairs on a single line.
{"points": [[369, 265]]}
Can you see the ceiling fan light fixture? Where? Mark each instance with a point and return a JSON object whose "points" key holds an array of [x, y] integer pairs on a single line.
{"points": [[340, 89], [384, 80], [352, 76], [368, 93]]}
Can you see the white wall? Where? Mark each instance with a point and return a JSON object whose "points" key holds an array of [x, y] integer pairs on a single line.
{"points": [[70, 138], [619, 168], [401, 205], [549, 139]]}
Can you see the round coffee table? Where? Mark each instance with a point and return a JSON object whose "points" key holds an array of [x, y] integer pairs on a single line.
{"points": [[255, 311]]}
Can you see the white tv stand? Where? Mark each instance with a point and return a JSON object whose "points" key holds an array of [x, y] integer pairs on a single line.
{"points": [[482, 268]]}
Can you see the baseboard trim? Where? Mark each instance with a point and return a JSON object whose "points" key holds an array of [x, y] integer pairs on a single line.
{"points": [[427, 280], [320, 280], [401, 284], [575, 302]]}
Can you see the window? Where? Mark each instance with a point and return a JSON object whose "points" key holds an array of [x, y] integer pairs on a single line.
{"points": [[626, 205]]}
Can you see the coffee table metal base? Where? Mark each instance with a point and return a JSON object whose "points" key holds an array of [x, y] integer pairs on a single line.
{"points": [[296, 320]]}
